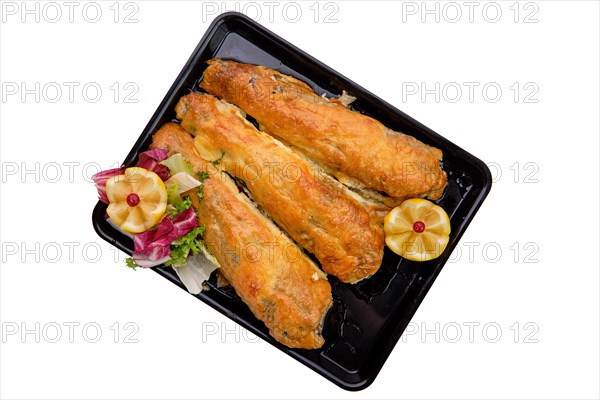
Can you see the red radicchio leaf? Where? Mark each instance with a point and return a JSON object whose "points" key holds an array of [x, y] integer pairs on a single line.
{"points": [[162, 171], [151, 159], [152, 248], [185, 221], [100, 180]]}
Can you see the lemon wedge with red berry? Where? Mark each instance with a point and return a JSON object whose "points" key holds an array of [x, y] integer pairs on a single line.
{"points": [[417, 230], [137, 199]]}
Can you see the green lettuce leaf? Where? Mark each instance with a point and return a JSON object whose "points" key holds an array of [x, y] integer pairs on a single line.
{"points": [[182, 206], [183, 246], [172, 196], [176, 163]]}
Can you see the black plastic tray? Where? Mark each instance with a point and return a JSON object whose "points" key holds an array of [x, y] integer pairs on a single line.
{"points": [[367, 318]]}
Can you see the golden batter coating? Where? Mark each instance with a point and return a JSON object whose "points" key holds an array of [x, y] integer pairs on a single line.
{"points": [[348, 143], [282, 287], [318, 215]]}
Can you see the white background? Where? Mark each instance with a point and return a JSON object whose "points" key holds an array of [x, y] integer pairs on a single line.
{"points": [[548, 280]]}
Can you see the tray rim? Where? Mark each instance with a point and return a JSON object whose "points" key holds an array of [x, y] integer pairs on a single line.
{"points": [[100, 208]]}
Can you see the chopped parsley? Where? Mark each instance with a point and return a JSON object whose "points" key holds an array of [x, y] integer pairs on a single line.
{"points": [[202, 176], [218, 160], [131, 263]]}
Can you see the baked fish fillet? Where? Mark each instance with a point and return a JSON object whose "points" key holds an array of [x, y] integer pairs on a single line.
{"points": [[318, 215], [348, 143], [280, 285]]}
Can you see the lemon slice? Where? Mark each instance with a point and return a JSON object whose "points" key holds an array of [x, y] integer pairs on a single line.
{"points": [[417, 230], [138, 199]]}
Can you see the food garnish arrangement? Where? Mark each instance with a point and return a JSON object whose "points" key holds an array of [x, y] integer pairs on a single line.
{"points": [[275, 188]]}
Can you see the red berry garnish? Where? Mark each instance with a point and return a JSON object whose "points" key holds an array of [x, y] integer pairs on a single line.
{"points": [[418, 227], [133, 199]]}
